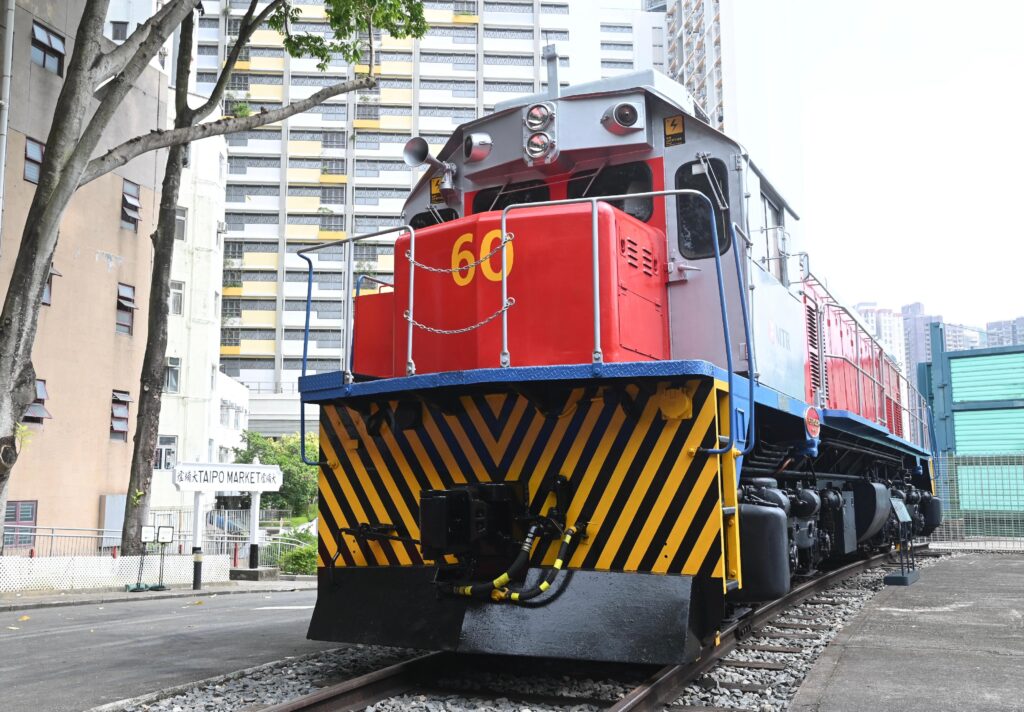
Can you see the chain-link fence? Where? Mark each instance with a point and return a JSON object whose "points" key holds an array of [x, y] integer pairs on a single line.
{"points": [[983, 502]]}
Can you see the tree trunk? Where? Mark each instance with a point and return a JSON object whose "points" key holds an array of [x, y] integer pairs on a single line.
{"points": [[151, 386]]}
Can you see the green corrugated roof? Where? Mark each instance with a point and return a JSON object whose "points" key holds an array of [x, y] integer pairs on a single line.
{"points": [[987, 378], [984, 432]]}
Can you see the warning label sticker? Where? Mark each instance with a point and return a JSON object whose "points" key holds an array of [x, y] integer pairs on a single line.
{"points": [[675, 133], [435, 190]]}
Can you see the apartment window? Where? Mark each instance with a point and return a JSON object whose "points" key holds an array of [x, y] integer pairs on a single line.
{"points": [[166, 452], [19, 514], [48, 288], [238, 82], [616, 64], [130, 206], [231, 308], [213, 378], [119, 401], [176, 302], [172, 375], [36, 411], [232, 278], [616, 28], [231, 337], [233, 250], [332, 222], [333, 167], [47, 49], [334, 139], [335, 196], [33, 159], [125, 308], [223, 454], [225, 416], [180, 223], [235, 26], [119, 31]]}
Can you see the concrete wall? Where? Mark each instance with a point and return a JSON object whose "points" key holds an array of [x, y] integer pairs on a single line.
{"points": [[69, 461]]}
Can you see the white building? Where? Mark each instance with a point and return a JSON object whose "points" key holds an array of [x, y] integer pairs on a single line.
{"points": [[203, 411], [886, 325], [338, 169]]}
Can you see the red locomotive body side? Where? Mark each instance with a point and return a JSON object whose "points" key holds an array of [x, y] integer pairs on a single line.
{"points": [[550, 279]]}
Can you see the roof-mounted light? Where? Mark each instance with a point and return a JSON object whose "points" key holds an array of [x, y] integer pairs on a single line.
{"points": [[539, 145], [538, 116]]}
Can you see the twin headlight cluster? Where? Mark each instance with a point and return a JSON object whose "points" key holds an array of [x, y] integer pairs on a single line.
{"points": [[540, 131]]}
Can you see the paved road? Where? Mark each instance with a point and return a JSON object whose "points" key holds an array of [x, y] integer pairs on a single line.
{"points": [[73, 658]]}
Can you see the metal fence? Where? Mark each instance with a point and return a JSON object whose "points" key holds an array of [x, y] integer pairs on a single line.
{"points": [[983, 499]]}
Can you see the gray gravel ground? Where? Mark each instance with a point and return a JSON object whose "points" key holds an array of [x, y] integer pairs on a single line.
{"points": [[288, 679], [277, 682]]}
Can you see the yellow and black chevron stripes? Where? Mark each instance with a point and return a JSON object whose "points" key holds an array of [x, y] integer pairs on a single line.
{"points": [[632, 455]]}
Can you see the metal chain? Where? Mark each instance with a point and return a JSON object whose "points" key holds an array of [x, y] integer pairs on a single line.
{"points": [[508, 303], [506, 239]]}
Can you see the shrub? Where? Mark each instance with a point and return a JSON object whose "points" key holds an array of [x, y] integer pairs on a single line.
{"points": [[301, 560]]}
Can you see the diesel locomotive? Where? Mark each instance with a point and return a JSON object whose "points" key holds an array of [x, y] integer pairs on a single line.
{"points": [[605, 400]]}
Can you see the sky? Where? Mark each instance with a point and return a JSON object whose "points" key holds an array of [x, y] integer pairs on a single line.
{"points": [[894, 127]]}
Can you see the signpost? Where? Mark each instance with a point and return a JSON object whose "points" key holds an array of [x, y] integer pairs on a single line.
{"points": [[218, 477], [164, 536], [147, 535]]}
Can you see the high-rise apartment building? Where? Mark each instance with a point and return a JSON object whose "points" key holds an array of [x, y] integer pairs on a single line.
{"points": [[694, 60], [886, 325], [338, 169], [77, 437], [917, 331], [1005, 333]]}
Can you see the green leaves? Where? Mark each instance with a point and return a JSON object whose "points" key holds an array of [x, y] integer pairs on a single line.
{"points": [[351, 22], [298, 491]]}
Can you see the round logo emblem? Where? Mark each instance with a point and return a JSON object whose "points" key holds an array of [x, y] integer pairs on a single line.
{"points": [[812, 421]]}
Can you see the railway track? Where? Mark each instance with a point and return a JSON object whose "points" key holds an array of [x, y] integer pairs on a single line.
{"points": [[653, 689]]}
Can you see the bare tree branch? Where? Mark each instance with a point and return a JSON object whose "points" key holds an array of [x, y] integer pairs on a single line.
{"points": [[116, 59], [119, 155], [249, 25]]}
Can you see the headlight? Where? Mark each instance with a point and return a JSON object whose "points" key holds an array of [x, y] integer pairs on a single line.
{"points": [[626, 114], [476, 147], [538, 145], [538, 116]]}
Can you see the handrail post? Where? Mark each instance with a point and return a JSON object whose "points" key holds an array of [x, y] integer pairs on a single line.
{"points": [[410, 365], [504, 359], [350, 304], [598, 355]]}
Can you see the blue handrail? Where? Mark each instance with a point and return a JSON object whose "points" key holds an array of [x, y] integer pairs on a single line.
{"points": [[751, 367], [305, 355]]}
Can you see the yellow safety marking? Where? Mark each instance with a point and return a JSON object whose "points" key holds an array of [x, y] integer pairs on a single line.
{"points": [[496, 448], [426, 463], [558, 563], [350, 496], [325, 535], [712, 528], [587, 481], [719, 571], [403, 465], [468, 451], [410, 522], [675, 537], [357, 510], [501, 581], [641, 486], [544, 585], [514, 596], [442, 447], [619, 474], [496, 400], [553, 443], [515, 470], [670, 489]]}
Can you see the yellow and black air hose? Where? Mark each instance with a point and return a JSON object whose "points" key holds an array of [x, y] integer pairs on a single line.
{"points": [[498, 590]]}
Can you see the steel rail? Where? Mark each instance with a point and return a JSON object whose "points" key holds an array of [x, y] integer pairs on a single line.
{"points": [[665, 685], [668, 683], [362, 691]]}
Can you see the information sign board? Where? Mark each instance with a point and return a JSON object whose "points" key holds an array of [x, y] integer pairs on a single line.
{"points": [[217, 477], [148, 534]]}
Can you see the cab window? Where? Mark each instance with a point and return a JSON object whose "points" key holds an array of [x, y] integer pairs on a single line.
{"points": [[617, 180], [693, 216], [428, 218], [500, 197]]}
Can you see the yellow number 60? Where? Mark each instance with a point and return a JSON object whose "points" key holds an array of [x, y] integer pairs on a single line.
{"points": [[462, 259]]}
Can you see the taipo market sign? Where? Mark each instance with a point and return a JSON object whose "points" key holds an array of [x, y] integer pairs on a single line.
{"points": [[216, 477]]}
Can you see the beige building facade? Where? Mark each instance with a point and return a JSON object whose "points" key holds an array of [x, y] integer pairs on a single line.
{"points": [[92, 330]]}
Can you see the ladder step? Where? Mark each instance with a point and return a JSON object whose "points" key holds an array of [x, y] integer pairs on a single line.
{"points": [[728, 511], [731, 585]]}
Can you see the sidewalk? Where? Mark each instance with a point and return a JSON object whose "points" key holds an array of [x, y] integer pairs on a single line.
{"points": [[18, 601]]}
